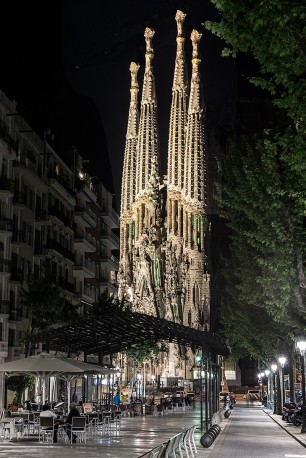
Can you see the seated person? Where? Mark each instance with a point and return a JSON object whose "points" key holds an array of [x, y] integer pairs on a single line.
{"points": [[46, 412], [74, 412]]}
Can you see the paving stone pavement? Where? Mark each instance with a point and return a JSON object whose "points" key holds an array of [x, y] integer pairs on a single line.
{"points": [[249, 433]]}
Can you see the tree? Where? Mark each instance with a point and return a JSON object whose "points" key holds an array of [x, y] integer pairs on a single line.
{"points": [[145, 351], [273, 31], [264, 209], [108, 304], [264, 176], [19, 383], [45, 305]]}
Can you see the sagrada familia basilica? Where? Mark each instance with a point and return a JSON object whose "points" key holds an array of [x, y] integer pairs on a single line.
{"points": [[163, 263]]}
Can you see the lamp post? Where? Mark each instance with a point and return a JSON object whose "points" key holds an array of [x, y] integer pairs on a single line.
{"points": [[153, 383], [274, 369], [282, 360], [139, 385], [267, 373], [301, 344], [199, 363]]}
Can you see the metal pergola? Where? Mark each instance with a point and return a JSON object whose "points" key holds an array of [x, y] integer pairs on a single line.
{"points": [[116, 332]]}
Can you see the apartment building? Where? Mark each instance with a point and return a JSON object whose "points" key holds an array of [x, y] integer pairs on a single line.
{"points": [[48, 210]]}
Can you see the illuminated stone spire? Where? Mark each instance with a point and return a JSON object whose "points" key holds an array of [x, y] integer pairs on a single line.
{"points": [[148, 161], [194, 147], [129, 164], [178, 115]]}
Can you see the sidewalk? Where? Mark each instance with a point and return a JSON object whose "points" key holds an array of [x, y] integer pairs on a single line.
{"points": [[294, 431], [250, 432], [138, 435]]}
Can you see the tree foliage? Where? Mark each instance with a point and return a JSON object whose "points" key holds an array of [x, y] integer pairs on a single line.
{"points": [[146, 351], [264, 178], [18, 383], [45, 305], [108, 304], [264, 205], [274, 32]]}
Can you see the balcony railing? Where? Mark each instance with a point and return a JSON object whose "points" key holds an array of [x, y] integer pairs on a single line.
{"points": [[17, 274], [5, 307], [54, 211], [5, 265], [19, 237], [15, 314], [6, 184], [84, 235], [20, 198], [54, 245], [6, 136], [64, 284], [105, 231], [6, 224]]}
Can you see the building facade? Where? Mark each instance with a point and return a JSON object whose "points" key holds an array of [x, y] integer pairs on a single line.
{"points": [[48, 211], [163, 262]]}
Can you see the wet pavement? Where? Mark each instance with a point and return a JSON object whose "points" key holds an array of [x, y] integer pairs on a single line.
{"points": [[248, 432]]}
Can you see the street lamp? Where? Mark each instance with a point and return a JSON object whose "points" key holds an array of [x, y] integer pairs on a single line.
{"points": [[301, 344], [199, 363], [274, 369], [267, 373], [282, 360], [139, 377], [153, 383]]}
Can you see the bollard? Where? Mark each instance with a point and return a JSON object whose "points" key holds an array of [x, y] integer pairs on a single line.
{"points": [[227, 413], [206, 440], [216, 428]]}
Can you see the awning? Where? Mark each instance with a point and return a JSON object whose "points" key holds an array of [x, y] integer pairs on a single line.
{"points": [[113, 333]]}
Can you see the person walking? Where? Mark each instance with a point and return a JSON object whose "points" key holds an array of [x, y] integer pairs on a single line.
{"points": [[117, 399]]}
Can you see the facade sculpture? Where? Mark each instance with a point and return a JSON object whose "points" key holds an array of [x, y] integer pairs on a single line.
{"points": [[163, 260]]}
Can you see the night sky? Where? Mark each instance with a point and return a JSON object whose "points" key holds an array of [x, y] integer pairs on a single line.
{"points": [[67, 65]]}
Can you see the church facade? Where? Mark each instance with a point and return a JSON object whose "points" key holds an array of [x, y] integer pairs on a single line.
{"points": [[163, 261]]}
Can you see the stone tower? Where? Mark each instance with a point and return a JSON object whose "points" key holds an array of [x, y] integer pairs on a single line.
{"points": [[162, 259]]}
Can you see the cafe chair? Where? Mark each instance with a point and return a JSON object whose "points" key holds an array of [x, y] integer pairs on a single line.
{"points": [[78, 428], [46, 429]]}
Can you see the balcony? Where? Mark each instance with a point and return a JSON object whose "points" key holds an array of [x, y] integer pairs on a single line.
{"points": [[39, 250], [20, 199], [15, 351], [86, 293], [19, 237], [17, 275], [3, 349], [109, 238], [61, 216], [7, 143], [60, 184], [15, 314], [85, 241], [85, 264], [64, 284], [87, 215], [7, 186], [5, 266], [105, 281], [110, 217], [5, 307], [56, 246], [6, 224], [112, 261], [41, 215]]}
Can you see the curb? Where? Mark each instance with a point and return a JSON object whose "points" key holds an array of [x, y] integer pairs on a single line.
{"points": [[287, 431]]}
